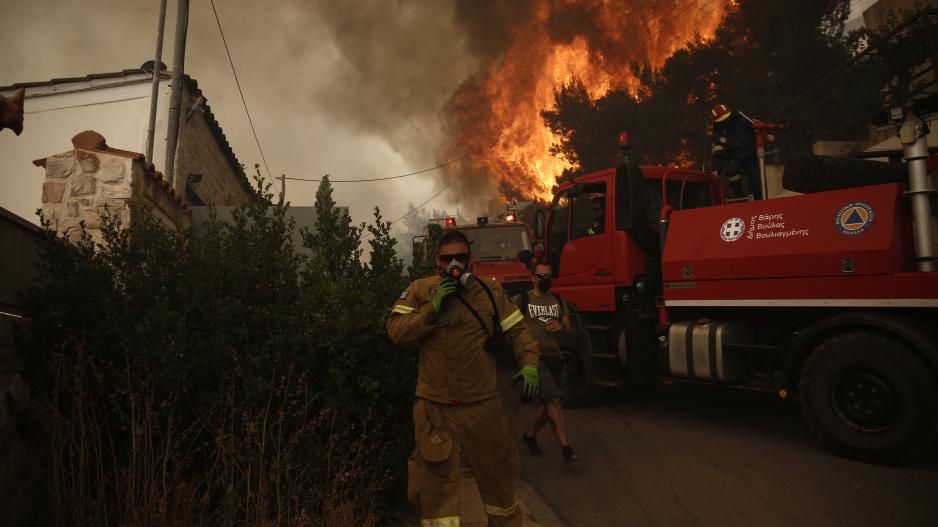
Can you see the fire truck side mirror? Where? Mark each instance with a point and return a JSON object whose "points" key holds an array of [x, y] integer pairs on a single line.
{"points": [[633, 207], [626, 196], [540, 218]]}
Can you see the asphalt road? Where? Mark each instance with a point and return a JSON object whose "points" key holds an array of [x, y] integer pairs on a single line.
{"points": [[698, 455]]}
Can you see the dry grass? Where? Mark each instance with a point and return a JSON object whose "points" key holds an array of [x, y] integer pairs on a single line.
{"points": [[126, 457]]}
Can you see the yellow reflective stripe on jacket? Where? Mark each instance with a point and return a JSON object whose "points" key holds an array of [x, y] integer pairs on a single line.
{"points": [[493, 510], [511, 320], [402, 309], [449, 521], [734, 178]]}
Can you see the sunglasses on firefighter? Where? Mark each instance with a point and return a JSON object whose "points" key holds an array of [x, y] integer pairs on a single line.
{"points": [[447, 258]]}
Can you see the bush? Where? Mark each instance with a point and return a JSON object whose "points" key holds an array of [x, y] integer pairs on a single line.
{"points": [[221, 380]]}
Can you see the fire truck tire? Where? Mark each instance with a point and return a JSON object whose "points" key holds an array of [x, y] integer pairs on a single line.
{"points": [[806, 173], [870, 397], [578, 392]]}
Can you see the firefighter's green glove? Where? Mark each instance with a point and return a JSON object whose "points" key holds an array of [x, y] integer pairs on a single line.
{"points": [[530, 381], [446, 288]]}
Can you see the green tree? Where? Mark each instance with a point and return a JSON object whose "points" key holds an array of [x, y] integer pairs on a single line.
{"points": [[762, 55]]}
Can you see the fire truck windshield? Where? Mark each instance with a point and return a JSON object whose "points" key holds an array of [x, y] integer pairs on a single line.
{"points": [[497, 243]]}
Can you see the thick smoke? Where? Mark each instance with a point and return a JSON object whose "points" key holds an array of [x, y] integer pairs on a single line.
{"points": [[369, 88]]}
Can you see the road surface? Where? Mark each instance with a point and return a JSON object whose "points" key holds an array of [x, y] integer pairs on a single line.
{"points": [[699, 455]]}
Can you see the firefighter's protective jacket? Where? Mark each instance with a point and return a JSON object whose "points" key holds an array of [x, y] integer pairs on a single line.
{"points": [[454, 367]]}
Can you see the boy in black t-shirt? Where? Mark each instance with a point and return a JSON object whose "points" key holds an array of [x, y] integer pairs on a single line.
{"points": [[546, 316]]}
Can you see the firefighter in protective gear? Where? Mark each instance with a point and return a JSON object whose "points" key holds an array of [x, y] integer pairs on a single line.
{"points": [[728, 170], [458, 406], [735, 133]]}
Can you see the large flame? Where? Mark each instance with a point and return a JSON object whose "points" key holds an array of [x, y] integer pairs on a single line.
{"points": [[497, 114]]}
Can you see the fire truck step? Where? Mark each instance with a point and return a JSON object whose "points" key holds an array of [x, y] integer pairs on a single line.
{"points": [[607, 384]]}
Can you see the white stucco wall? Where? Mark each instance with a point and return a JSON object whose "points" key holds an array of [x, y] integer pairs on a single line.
{"points": [[117, 109]]}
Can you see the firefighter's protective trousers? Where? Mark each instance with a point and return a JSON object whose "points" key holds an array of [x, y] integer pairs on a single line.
{"points": [[458, 408], [478, 432]]}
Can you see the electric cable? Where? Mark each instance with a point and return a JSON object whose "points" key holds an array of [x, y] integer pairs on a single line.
{"points": [[243, 102], [441, 165], [856, 58]]}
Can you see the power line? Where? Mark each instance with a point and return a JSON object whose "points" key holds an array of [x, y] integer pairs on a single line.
{"points": [[238, 84], [441, 165], [418, 207], [856, 58], [87, 104]]}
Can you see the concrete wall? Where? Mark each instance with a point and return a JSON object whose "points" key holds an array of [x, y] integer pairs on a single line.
{"points": [[19, 247], [878, 14], [303, 216]]}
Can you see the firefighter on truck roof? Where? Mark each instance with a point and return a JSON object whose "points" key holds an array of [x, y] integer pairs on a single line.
{"points": [[735, 133], [458, 323]]}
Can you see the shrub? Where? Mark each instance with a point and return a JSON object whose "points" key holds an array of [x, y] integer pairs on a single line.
{"points": [[220, 380]]}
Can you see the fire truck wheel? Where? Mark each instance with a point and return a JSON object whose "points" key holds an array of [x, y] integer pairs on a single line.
{"points": [[870, 397], [578, 391], [808, 173]]}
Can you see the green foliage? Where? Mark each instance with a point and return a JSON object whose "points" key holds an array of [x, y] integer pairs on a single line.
{"points": [[238, 360], [762, 56], [898, 64]]}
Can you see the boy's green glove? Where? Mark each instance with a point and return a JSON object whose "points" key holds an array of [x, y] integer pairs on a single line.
{"points": [[530, 381], [446, 288]]}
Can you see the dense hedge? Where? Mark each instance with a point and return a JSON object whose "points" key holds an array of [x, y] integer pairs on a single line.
{"points": [[224, 379]]}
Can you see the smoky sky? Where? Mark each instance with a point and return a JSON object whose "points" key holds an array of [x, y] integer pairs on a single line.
{"points": [[353, 88]]}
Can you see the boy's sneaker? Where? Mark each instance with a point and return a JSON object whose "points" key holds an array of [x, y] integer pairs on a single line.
{"points": [[569, 455], [531, 442]]}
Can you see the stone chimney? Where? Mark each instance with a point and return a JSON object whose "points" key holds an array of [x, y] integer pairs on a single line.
{"points": [[94, 180]]}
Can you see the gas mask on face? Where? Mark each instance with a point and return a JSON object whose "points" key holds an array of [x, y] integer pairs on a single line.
{"points": [[543, 282], [457, 271]]}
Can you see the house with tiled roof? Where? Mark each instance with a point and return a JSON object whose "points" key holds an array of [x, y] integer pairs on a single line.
{"points": [[116, 107]]}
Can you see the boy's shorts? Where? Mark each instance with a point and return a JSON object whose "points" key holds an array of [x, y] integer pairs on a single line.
{"points": [[552, 382]]}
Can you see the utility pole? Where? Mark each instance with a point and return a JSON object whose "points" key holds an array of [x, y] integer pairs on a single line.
{"points": [[283, 188], [175, 101], [151, 129]]}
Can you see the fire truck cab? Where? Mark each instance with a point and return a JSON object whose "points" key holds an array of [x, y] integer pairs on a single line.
{"points": [[494, 247], [817, 297]]}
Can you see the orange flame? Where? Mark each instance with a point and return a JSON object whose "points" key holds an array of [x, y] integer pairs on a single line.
{"points": [[498, 113]]}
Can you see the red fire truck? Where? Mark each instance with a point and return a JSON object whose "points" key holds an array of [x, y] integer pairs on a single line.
{"points": [[495, 246], [821, 297]]}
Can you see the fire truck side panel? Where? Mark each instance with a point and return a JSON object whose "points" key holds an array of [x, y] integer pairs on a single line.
{"points": [[831, 234]]}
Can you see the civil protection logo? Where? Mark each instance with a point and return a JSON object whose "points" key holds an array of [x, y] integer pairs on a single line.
{"points": [[854, 218], [732, 229]]}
